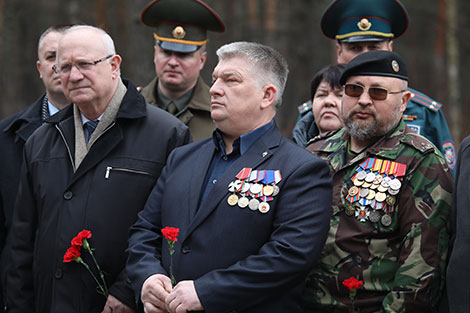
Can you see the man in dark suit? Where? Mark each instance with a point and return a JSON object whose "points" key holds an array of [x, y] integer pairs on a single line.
{"points": [[17, 128], [91, 166], [252, 208]]}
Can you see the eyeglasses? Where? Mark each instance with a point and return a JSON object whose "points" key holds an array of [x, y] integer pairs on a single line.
{"points": [[82, 66], [376, 93]]}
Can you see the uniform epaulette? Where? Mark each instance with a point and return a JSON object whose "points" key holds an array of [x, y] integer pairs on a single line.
{"points": [[418, 142], [424, 100], [305, 107]]}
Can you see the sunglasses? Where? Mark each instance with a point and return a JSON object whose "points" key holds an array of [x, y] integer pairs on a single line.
{"points": [[376, 93]]}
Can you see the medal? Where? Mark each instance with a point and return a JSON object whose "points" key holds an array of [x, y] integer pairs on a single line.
{"points": [[395, 184], [243, 202], [364, 192], [255, 188], [268, 190], [362, 214], [353, 191], [361, 175], [393, 192], [253, 204], [349, 210], [380, 196], [386, 220], [276, 190], [263, 207], [232, 200], [382, 188], [358, 183], [245, 187], [374, 216], [371, 195], [391, 200], [370, 177]]}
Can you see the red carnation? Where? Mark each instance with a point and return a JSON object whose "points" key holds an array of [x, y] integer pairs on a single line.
{"points": [[72, 253], [84, 234], [171, 233], [352, 283]]}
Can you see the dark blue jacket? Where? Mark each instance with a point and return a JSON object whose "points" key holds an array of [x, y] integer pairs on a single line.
{"points": [[241, 260]]}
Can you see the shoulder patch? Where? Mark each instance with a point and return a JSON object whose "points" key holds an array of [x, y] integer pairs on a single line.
{"points": [[304, 107], [418, 142], [424, 100], [414, 128], [449, 153]]}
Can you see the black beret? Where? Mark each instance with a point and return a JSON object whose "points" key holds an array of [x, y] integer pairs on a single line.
{"points": [[376, 63]]}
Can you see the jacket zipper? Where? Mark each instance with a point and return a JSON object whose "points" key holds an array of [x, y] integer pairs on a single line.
{"points": [[110, 168]]}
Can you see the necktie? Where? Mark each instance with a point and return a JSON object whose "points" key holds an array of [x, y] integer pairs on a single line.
{"points": [[88, 129], [172, 108]]}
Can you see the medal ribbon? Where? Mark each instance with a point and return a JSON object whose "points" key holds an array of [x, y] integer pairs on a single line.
{"points": [[244, 173]]}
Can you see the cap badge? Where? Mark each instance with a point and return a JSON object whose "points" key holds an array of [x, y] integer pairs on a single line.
{"points": [[364, 24], [395, 66], [179, 32]]}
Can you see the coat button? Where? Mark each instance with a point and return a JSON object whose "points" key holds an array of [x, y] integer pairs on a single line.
{"points": [[68, 195], [58, 273], [186, 250]]}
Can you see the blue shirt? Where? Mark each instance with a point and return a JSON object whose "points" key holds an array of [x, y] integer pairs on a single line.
{"points": [[221, 161]]}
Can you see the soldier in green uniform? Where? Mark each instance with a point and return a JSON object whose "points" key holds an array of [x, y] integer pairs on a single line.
{"points": [[391, 200], [363, 25], [180, 36]]}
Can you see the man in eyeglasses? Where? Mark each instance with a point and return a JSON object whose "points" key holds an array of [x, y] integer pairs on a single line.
{"points": [[359, 26], [91, 166], [16, 129], [391, 200], [180, 40]]}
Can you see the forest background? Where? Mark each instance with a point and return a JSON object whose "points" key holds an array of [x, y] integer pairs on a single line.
{"points": [[435, 46]]}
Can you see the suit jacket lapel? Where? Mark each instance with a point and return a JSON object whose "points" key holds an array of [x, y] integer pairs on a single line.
{"points": [[201, 165], [254, 157]]}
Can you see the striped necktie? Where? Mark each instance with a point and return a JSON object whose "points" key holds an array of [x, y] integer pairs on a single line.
{"points": [[88, 129]]}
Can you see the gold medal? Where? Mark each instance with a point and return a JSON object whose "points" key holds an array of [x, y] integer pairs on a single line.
{"points": [[358, 183], [371, 195], [366, 185], [353, 191], [268, 190], [232, 199], [382, 188], [380, 197]]}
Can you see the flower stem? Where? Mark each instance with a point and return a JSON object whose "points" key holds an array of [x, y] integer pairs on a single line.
{"points": [[100, 272], [101, 289]]}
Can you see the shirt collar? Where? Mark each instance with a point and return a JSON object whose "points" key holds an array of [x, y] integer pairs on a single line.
{"points": [[179, 102], [52, 109], [242, 143]]}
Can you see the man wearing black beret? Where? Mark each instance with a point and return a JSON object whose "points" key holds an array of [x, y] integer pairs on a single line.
{"points": [[391, 199]]}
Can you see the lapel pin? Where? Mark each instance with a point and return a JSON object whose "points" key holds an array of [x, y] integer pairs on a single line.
{"points": [[265, 153]]}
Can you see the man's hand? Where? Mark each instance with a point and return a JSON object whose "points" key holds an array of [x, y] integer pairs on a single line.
{"points": [[113, 305], [155, 290], [184, 298]]}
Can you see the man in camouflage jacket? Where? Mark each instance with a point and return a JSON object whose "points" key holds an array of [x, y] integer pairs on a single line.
{"points": [[391, 200]]}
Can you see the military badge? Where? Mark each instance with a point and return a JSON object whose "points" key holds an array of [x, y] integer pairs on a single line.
{"points": [[364, 24], [449, 153], [178, 32], [395, 66]]}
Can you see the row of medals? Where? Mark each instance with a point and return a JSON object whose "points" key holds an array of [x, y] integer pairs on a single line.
{"points": [[377, 191], [255, 190]]}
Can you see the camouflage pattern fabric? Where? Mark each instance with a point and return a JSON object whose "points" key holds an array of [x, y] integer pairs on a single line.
{"points": [[402, 263]]}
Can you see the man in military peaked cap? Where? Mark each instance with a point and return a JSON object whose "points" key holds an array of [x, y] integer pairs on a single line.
{"points": [[180, 36], [363, 25], [391, 200]]}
